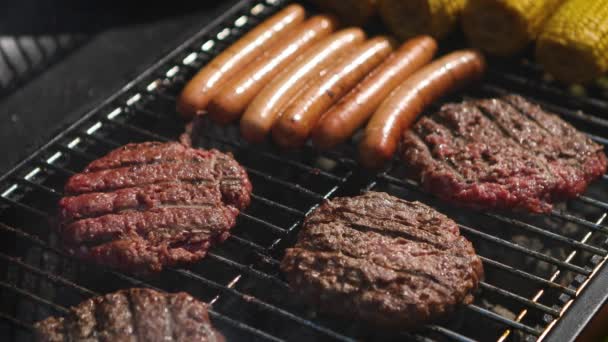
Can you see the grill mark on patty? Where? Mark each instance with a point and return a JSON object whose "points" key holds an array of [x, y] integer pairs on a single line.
{"points": [[507, 100], [341, 209], [168, 152], [382, 231], [499, 129], [75, 322], [566, 161], [227, 180], [109, 327], [542, 162], [131, 310], [169, 317], [140, 208], [135, 222], [91, 205], [580, 153], [367, 260], [108, 180], [445, 161], [351, 248]]}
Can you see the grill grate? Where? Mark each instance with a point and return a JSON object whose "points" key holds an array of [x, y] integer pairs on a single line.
{"points": [[536, 266]]}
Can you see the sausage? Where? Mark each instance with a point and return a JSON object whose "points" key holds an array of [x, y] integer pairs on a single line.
{"points": [[197, 93], [399, 110], [270, 102], [294, 126], [230, 102], [348, 114]]}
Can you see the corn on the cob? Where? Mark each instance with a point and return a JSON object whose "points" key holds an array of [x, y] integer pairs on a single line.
{"points": [[409, 18], [351, 12], [505, 27], [573, 45]]}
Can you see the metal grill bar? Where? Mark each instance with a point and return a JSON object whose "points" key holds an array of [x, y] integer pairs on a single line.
{"points": [[25, 207], [99, 140], [60, 309], [509, 244], [47, 275], [526, 275], [542, 87], [519, 298], [593, 202], [16, 322], [262, 304], [282, 160], [571, 242], [485, 285], [526, 251], [134, 281], [523, 313], [277, 205], [508, 322]]}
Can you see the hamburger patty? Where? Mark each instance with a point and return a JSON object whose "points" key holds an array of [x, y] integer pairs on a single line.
{"points": [[151, 204], [132, 315], [502, 153], [382, 260]]}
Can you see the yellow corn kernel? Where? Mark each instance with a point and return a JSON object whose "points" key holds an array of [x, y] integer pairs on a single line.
{"points": [[573, 45], [409, 18], [505, 27]]}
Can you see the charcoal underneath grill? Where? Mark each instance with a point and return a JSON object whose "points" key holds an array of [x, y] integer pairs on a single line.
{"points": [[535, 265]]}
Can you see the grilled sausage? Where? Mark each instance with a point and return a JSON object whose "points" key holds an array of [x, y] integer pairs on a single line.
{"points": [[197, 93], [352, 110], [399, 110], [268, 104], [230, 102], [294, 126]]}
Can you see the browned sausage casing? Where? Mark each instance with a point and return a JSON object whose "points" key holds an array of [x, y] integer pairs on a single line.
{"points": [[272, 99], [351, 111], [399, 110], [295, 124], [230, 102], [197, 93]]}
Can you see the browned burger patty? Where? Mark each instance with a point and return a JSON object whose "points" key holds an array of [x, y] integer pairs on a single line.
{"points": [[147, 205], [504, 153], [132, 315], [382, 260]]}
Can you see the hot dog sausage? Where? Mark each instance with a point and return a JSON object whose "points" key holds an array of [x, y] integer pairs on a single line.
{"points": [[399, 110], [352, 110], [294, 126], [230, 102], [265, 107], [197, 93]]}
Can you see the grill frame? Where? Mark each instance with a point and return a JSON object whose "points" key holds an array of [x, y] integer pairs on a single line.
{"points": [[567, 327]]}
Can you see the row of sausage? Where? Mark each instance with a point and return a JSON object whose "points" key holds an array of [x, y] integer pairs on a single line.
{"points": [[295, 78]]}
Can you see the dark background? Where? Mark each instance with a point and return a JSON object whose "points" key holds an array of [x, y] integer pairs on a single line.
{"points": [[60, 58]]}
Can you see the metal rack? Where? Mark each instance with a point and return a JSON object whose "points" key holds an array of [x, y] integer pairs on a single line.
{"points": [[538, 268]]}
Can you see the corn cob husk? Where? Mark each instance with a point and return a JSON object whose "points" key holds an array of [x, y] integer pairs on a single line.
{"points": [[350, 12], [505, 27], [573, 46], [409, 18]]}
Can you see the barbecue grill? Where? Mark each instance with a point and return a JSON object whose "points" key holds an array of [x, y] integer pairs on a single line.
{"points": [[545, 274]]}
